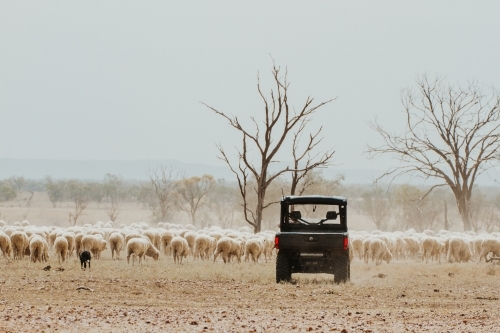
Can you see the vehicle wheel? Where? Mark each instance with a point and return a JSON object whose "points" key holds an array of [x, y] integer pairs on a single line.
{"points": [[283, 269], [342, 268]]}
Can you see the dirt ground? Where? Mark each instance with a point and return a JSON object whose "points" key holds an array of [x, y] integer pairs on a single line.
{"points": [[403, 296]]}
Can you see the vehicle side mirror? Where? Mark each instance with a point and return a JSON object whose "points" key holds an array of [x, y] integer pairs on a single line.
{"points": [[295, 215], [331, 215]]}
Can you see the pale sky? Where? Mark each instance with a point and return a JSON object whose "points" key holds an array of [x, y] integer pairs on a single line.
{"points": [[124, 80]]}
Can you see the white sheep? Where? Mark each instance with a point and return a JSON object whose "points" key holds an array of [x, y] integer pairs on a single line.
{"points": [[400, 246], [431, 247], [489, 245], [190, 236], [166, 238], [202, 245], [140, 247], [253, 248], [245, 229], [78, 243], [428, 232], [70, 237], [475, 244], [95, 244], [379, 251], [268, 245], [5, 245], [227, 247], [45, 255], [61, 248], [180, 248], [98, 232], [190, 227], [366, 248], [20, 243], [131, 235], [52, 237], [37, 249], [458, 250], [116, 242], [412, 246], [153, 236], [356, 244]]}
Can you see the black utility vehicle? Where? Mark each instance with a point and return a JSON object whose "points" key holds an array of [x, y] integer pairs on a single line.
{"points": [[313, 237]]}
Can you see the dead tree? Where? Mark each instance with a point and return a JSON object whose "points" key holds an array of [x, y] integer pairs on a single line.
{"points": [[307, 160], [112, 190], [160, 192], [19, 182], [268, 138], [376, 205], [79, 193], [192, 194], [452, 135]]}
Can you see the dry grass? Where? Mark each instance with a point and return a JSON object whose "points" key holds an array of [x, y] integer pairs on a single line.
{"points": [[161, 296]]}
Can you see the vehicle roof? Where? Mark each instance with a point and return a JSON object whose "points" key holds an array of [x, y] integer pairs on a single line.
{"points": [[315, 199]]}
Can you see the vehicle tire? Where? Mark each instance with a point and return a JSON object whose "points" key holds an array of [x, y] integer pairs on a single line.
{"points": [[283, 268], [342, 268]]}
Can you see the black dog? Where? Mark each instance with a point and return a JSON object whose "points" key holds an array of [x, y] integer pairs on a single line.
{"points": [[84, 259]]}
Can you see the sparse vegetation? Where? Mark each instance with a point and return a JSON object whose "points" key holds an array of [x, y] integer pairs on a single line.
{"points": [[398, 208]]}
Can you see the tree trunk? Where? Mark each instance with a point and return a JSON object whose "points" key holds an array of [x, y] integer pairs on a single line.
{"points": [[261, 195], [294, 186], [258, 215], [193, 217], [464, 210]]}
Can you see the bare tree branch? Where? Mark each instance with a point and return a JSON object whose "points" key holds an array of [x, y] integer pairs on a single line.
{"points": [[452, 134], [268, 136]]}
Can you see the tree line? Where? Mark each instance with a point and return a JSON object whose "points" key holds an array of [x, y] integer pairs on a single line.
{"points": [[205, 201]]}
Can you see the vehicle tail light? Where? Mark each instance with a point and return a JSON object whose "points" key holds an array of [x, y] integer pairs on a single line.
{"points": [[276, 242], [346, 243]]}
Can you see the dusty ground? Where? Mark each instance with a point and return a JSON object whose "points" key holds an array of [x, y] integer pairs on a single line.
{"points": [[404, 296]]}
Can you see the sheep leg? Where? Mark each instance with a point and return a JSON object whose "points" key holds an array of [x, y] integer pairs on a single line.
{"points": [[216, 254]]}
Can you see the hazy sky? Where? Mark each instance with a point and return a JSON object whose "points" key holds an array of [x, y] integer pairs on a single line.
{"points": [[124, 80]]}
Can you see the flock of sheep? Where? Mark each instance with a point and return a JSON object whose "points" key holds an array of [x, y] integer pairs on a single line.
{"points": [[444, 245], [139, 240]]}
